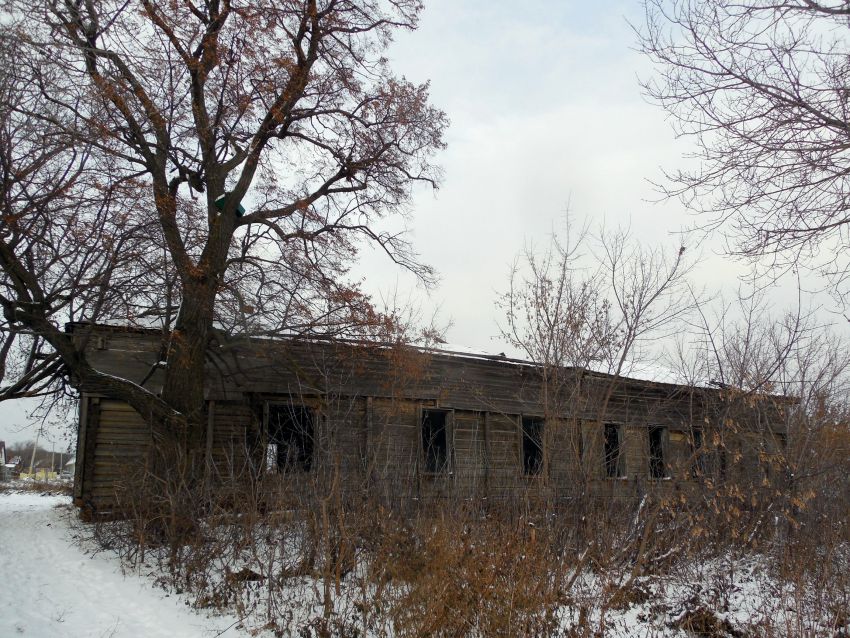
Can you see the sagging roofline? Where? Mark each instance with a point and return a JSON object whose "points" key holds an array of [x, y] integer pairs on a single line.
{"points": [[707, 387]]}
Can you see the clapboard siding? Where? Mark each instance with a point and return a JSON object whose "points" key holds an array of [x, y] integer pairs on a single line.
{"points": [[367, 404], [235, 437], [116, 451], [503, 454], [562, 449], [470, 461], [308, 368]]}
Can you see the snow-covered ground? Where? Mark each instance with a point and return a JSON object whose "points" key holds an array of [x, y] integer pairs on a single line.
{"points": [[51, 587]]}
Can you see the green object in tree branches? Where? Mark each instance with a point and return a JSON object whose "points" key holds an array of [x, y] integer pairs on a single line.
{"points": [[219, 203]]}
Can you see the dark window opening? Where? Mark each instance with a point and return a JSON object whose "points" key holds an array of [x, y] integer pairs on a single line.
{"points": [[290, 431], [532, 445], [612, 450], [698, 443], [434, 440], [578, 437], [657, 466]]}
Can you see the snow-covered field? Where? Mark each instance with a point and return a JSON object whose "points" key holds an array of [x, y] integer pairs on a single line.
{"points": [[51, 587]]}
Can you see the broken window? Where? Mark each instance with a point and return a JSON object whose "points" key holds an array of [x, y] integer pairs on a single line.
{"points": [[532, 445], [657, 466], [434, 440], [613, 461], [290, 432]]}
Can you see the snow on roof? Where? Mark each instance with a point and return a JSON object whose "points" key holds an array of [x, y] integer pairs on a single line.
{"points": [[458, 350], [654, 372], [658, 373], [149, 323]]}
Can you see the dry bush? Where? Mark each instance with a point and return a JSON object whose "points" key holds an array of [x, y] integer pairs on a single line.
{"points": [[453, 574], [300, 555]]}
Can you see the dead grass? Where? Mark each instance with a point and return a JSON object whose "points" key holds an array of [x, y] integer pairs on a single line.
{"points": [[59, 488], [704, 623], [311, 560], [312, 564]]}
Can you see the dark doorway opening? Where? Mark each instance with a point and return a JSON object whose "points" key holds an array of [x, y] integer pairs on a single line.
{"points": [[291, 431], [657, 466], [612, 450], [532, 445], [434, 440]]}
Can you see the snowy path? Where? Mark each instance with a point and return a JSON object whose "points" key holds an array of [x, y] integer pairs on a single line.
{"points": [[49, 587]]}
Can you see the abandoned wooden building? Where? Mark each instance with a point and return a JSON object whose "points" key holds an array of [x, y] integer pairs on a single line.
{"points": [[408, 422]]}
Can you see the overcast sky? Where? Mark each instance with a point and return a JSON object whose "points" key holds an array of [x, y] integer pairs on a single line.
{"points": [[546, 111]]}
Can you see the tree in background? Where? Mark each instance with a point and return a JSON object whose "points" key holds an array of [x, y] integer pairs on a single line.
{"points": [[217, 166], [586, 304], [599, 303], [763, 89], [788, 358], [68, 238]]}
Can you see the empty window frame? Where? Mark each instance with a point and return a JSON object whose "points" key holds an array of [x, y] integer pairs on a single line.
{"points": [[291, 431], [657, 464], [698, 452], [435, 443], [532, 445], [777, 463], [613, 453]]}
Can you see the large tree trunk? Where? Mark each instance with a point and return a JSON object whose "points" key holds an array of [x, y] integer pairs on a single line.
{"points": [[185, 373]]}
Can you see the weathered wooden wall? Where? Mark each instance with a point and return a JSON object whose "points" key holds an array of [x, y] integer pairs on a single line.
{"points": [[114, 441], [368, 402]]}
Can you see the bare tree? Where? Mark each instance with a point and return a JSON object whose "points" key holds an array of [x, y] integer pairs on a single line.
{"points": [[556, 313], [777, 468], [586, 305], [70, 246], [788, 361], [254, 146], [597, 303], [762, 88]]}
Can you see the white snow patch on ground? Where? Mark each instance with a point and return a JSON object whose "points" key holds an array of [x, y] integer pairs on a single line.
{"points": [[51, 587]]}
